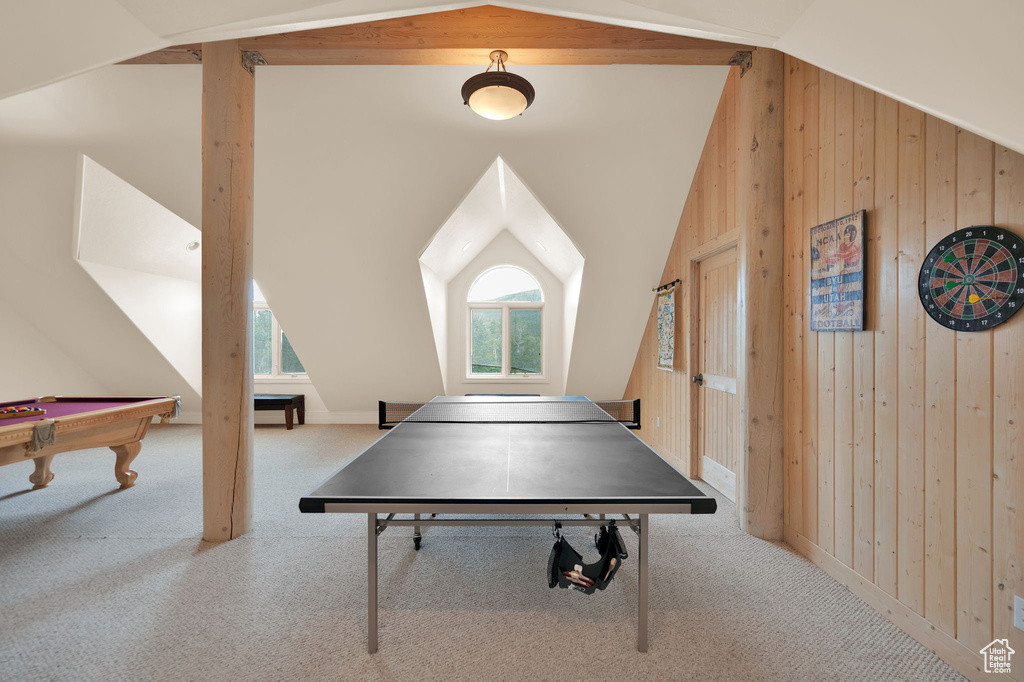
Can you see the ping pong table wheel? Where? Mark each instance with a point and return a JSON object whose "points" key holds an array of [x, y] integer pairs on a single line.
{"points": [[416, 543]]}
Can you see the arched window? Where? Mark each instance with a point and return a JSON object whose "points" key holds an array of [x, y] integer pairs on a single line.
{"points": [[505, 325]]}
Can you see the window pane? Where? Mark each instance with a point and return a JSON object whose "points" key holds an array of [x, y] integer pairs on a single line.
{"points": [[505, 284], [261, 342], [486, 333], [524, 341], [289, 360]]}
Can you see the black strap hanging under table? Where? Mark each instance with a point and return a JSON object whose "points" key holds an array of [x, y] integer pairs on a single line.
{"points": [[567, 570]]}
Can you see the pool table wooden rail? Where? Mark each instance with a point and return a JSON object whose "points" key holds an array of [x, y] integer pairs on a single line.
{"points": [[121, 428]]}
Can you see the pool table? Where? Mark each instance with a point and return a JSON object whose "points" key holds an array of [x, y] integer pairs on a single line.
{"points": [[76, 423]]}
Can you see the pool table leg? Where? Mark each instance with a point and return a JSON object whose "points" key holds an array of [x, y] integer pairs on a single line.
{"points": [[125, 455], [42, 476]]}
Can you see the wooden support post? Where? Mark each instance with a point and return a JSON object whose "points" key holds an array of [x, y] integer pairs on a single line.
{"points": [[228, 127], [760, 201]]}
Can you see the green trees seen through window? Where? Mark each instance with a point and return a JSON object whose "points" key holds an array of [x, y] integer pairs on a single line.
{"points": [[264, 327], [503, 321]]}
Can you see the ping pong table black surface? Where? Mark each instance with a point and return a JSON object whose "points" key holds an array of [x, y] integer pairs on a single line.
{"points": [[482, 464]]}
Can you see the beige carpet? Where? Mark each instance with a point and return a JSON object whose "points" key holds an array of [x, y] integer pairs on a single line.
{"points": [[102, 584]]}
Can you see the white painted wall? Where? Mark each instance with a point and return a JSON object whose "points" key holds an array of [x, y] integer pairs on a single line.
{"points": [[316, 411], [355, 169], [499, 201], [435, 294], [121, 227], [137, 251], [141, 124], [571, 304], [36, 366], [167, 310], [506, 250], [51, 297]]}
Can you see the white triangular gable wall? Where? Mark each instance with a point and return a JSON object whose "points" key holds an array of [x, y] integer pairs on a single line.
{"points": [[501, 222], [161, 293]]}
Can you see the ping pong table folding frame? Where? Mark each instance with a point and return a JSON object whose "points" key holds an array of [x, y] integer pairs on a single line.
{"points": [[545, 511], [594, 515]]}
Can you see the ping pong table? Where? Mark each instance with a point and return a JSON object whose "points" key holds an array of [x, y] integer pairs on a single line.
{"points": [[541, 457]]}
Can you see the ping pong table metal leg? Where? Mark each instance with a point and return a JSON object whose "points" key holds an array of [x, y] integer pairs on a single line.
{"points": [[371, 583], [416, 537], [641, 626]]}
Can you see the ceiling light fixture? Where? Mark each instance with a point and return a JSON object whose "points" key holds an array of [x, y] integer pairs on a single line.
{"points": [[498, 94]]}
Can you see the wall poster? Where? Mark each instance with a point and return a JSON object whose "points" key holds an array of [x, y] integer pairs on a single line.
{"points": [[837, 274]]}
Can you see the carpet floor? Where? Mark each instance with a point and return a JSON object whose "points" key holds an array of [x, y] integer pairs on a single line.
{"points": [[98, 583]]}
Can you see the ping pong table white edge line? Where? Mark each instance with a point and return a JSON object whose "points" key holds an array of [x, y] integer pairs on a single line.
{"points": [[550, 508], [667, 499], [500, 505]]}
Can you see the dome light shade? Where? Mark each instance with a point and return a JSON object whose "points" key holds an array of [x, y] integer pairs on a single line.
{"points": [[498, 95]]}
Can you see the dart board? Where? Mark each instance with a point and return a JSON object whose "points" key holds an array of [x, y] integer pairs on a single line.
{"points": [[973, 279]]}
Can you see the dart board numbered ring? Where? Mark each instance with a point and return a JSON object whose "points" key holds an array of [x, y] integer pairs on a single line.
{"points": [[973, 279]]}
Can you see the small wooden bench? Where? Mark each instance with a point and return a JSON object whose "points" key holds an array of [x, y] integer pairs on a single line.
{"points": [[290, 403]]}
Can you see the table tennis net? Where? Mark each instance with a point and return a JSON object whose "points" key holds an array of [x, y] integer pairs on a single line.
{"points": [[626, 412]]}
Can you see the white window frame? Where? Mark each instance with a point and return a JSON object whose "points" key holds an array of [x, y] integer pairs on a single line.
{"points": [[276, 346], [506, 344]]}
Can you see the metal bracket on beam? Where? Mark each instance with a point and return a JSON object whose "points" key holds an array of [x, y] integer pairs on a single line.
{"points": [[197, 54], [251, 59], [744, 60]]}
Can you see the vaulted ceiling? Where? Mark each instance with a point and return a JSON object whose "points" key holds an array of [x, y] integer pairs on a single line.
{"points": [[948, 58]]}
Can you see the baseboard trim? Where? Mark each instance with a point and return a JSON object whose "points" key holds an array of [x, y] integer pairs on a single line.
{"points": [[275, 417], [965, 661], [718, 477]]}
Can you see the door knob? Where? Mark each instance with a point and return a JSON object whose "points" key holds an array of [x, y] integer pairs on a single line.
{"points": [[699, 379]]}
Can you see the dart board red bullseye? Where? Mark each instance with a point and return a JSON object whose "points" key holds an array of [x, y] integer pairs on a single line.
{"points": [[973, 279]]}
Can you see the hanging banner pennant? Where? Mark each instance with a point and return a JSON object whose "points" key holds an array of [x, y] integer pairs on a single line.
{"points": [[667, 329]]}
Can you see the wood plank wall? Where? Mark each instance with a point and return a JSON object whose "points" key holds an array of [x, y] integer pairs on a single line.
{"points": [[708, 221], [903, 443]]}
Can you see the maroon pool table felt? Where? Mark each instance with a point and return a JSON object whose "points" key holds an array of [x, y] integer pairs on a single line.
{"points": [[75, 423]]}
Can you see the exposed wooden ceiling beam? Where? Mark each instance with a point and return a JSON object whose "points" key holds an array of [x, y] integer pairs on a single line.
{"points": [[467, 36]]}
